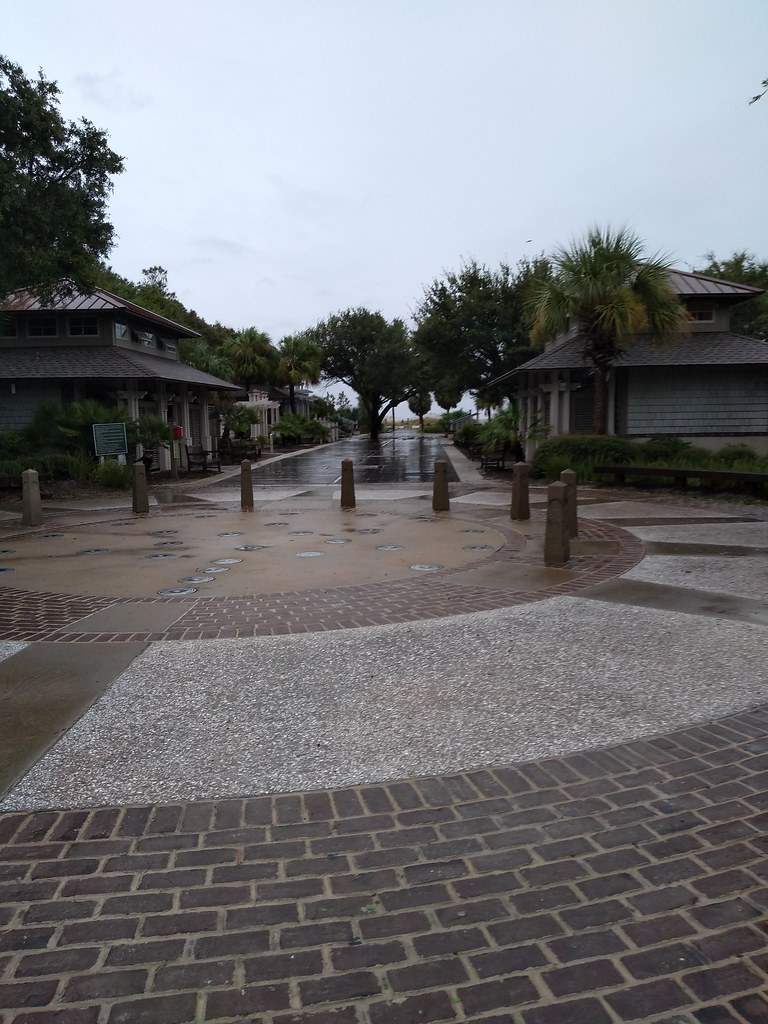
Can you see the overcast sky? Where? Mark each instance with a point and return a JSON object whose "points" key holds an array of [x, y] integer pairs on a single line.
{"points": [[288, 159]]}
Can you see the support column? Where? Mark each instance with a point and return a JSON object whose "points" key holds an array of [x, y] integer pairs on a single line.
{"points": [[566, 411], [205, 425], [163, 451], [186, 426], [554, 404], [530, 418], [611, 415]]}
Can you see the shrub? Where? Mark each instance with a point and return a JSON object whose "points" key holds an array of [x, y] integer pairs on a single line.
{"points": [[469, 433], [730, 454], [661, 448], [11, 444], [559, 453], [112, 475], [293, 429]]}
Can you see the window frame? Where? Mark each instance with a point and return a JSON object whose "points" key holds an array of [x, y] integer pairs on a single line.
{"points": [[695, 317], [82, 334], [35, 321]]}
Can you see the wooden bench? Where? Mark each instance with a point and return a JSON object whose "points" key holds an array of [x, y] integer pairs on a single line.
{"points": [[200, 458], [493, 459], [681, 476]]}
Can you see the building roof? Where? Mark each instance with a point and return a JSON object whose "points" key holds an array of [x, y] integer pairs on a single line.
{"points": [[98, 363], [99, 300], [690, 285], [710, 348]]}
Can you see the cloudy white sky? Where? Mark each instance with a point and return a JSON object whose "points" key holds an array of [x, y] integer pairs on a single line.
{"points": [[287, 159]]}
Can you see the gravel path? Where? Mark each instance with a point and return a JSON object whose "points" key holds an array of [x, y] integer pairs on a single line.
{"points": [[209, 719]]}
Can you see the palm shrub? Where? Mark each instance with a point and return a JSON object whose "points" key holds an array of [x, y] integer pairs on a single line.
{"points": [[609, 289], [558, 453]]}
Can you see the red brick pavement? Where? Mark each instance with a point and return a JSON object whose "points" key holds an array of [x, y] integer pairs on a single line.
{"points": [[616, 885], [32, 616]]}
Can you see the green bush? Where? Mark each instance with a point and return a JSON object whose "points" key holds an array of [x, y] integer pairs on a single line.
{"points": [[559, 453], [294, 429], [11, 444], [663, 448], [113, 476], [469, 433], [730, 454]]}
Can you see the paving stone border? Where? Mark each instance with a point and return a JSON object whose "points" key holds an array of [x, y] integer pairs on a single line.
{"points": [[36, 616], [615, 885]]}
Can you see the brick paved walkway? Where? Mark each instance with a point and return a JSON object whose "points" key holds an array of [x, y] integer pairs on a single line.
{"points": [[628, 884], [33, 616]]}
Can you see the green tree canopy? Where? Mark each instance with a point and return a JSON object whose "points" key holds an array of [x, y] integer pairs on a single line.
{"points": [[420, 403], [55, 181], [252, 356], [473, 325], [298, 363], [743, 267], [448, 394], [606, 286], [372, 356]]}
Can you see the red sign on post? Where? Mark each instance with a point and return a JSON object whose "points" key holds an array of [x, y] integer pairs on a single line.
{"points": [[178, 433]]}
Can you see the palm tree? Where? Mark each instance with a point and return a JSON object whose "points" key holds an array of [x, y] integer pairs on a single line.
{"points": [[299, 363], [252, 356], [607, 288], [420, 403]]}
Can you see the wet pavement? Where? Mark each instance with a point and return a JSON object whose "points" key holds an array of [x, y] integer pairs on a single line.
{"points": [[395, 458]]}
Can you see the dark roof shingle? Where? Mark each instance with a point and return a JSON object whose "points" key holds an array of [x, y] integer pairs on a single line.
{"points": [[710, 348], [92, 362]]}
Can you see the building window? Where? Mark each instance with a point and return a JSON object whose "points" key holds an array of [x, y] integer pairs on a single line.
{"points": [[43, 327], [701, 314], [7, 326], [121, 331], [83, 327], [145, 338]]}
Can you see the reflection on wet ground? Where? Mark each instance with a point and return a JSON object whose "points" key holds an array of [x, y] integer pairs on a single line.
{"points": [[395, 458]]}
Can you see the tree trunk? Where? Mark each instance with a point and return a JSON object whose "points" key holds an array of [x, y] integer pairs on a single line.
{"points": [[421, 422], [292, 397], [600, 400]]}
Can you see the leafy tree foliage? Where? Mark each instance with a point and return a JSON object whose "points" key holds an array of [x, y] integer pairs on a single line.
{"points": [[252, 356], [448, 394], [742, 267], [372, 356], [606, 285], [298, 363], [473, 325], [55, 180], [420, 403], [153, 292]]}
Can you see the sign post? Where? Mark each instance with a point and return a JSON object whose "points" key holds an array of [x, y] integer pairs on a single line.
{"points": [[110, 439]]}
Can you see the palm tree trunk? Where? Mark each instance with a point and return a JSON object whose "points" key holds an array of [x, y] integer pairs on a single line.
{"points": [[421, 423], [600, 400], [292, 397]]}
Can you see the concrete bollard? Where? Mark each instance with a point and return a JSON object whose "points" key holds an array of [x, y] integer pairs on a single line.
{"points": [[246, 486], [440, 500], [568, 477], [347, 484], [520, 507], [31, 507], [140, 495], [557, 547]]}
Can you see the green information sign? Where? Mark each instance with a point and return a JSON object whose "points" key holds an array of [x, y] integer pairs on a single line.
{"points": [[109, 439]]}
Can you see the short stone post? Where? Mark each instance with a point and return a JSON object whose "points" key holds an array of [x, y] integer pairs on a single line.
{"points": [[568, 477], [520, 507], [347, 484], [246, 486], [557, 547], [31, 508], [440, 500], [140, 495]]}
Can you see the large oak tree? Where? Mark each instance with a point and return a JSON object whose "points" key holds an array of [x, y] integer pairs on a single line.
{"points": [[55, 182]]}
